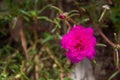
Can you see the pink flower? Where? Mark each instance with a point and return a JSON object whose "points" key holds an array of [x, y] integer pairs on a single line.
{"points": [[80, 43]]}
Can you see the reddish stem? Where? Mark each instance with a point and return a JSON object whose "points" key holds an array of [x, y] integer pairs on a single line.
{"points": [[103, 35]]}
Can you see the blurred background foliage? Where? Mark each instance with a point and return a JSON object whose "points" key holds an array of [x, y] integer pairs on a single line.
{"points": [[30, 33]]}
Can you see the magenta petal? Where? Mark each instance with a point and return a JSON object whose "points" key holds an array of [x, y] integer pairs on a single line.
{"points": [[89, 31], [91, 53], [74, 58]]}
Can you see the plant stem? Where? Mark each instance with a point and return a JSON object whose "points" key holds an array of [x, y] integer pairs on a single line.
{"points": [[103, 35], [71, 20]]}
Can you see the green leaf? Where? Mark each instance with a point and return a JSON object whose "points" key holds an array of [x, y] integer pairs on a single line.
{"points": [[46, 6], [57, 22], [113, 75], [53, 30], [24, 12], [47, 37], [56, 8], [45, 18], [100, 44]]}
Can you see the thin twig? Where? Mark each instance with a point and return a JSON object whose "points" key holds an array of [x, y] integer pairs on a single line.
{"points": [[73, 21], [116, 58], [103, 35]]}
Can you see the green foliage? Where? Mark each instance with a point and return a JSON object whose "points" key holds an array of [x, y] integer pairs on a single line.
{"points": [[115, 16], [13, 63], [30, 46]]}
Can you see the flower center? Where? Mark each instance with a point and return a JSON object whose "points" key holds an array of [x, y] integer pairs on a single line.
{"points": [[79, 46]]}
